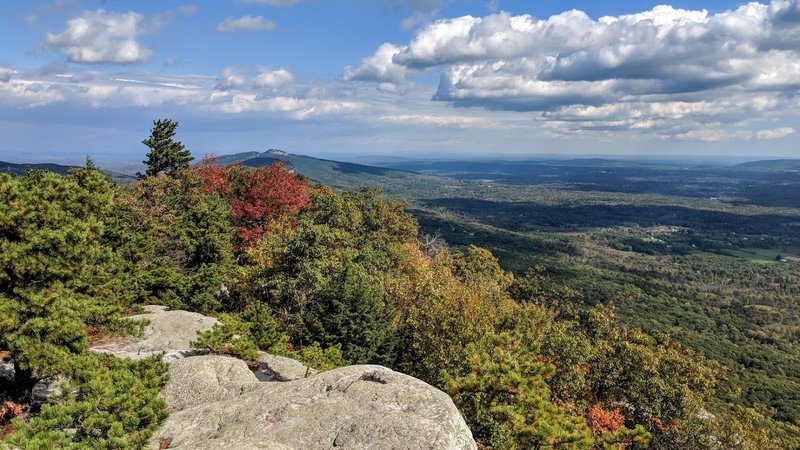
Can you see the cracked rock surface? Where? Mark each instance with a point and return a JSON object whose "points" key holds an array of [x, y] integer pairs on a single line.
{"points": [[168, 331], [217, 402], [280, 368]]}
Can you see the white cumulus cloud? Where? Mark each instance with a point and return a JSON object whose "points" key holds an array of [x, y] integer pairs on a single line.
{"points": [[253, 78], [101, 37], [775, 133], [274, 78], [379, 67]]}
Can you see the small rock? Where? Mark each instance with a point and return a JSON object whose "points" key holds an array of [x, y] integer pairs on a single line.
{"points": [[7, 371], [46, 388], [171, 357], [279, 368]]}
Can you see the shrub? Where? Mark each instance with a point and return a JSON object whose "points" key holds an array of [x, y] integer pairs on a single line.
{"points": [[116, 406]]}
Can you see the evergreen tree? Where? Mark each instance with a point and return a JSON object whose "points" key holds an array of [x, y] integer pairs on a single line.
{"points": [[506, 400], [117, 406], [352, 313], [56, 277], [166, 155], [176, 240]]}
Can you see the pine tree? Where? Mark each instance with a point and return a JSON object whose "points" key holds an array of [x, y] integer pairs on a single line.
{"points": [[176, 241], [166, 154], [352, 313], [56, 277], [506, 400]]}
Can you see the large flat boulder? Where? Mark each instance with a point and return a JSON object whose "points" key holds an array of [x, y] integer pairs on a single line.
{"points": [[217, 402], [170, 332], [201, 380]]}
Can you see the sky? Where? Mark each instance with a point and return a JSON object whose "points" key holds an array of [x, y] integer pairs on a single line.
{"points": [[400, 78]]}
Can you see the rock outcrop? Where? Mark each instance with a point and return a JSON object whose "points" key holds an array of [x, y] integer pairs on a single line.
{"points": [[168, 331], [218, 403]]}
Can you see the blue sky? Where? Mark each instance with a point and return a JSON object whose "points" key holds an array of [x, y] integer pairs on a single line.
{"points": [[400, 77]]}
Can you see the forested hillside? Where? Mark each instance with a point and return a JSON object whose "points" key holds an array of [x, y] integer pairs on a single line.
{"points": [[718, 276], [331, 278], [706, 253]]}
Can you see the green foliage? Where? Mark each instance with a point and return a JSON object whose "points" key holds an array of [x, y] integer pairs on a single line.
{"points": [[56, 276], [231, 337], [737, 428], [263, 328], [506, 400], [116, 406], [477, 266], [166, 155], [316, 357], [439, 315], [322, 273], [177, 242], [623, 438], [661, 378], [535, 286], [244, 335], [353, 314]]}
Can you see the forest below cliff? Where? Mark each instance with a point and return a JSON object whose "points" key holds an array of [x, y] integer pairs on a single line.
{"points": [[331, 278]]}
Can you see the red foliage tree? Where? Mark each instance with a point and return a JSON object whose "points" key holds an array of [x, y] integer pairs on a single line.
{"points": [[267, 194], [257, 197], [214, 176], [602, 421]]}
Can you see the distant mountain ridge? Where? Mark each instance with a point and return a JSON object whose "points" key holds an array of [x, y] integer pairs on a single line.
{"points": [[785, 164], [337, 174], [19, 169]]}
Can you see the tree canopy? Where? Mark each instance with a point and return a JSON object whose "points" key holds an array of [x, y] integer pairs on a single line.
{"points": [[329, 278]]}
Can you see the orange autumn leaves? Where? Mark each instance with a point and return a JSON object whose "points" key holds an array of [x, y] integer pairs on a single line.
{"points": [[603, 421], [257, 197]]}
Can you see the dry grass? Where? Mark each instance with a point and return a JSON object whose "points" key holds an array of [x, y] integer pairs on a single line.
{"points": [[97, 338], [5, 430]]}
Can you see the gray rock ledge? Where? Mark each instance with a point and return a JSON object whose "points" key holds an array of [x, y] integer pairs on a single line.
{"points": [[170, 332], [217, 402]]}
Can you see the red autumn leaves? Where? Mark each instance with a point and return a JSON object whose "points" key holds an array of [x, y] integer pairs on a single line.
{"points": [[257, 197]]}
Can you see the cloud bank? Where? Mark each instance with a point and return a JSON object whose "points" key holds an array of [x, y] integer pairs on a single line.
{"points": [[665, 72], [261, 91]]}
